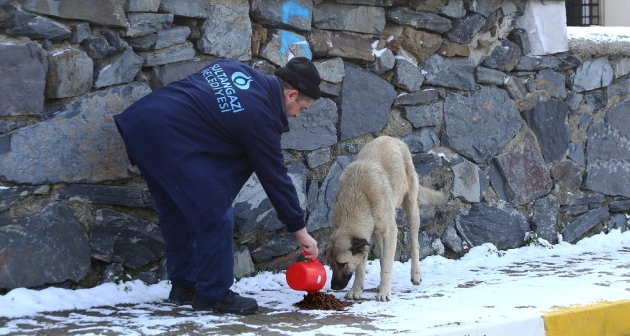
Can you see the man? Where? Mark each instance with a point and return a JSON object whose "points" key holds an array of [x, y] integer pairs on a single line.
{"points": [[196, 142]]}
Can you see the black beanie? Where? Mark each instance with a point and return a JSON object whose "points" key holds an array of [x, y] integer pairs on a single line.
{"points": [[301, 73]]}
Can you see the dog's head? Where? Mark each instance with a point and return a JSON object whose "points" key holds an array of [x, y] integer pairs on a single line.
{"points": [[344, 255]]}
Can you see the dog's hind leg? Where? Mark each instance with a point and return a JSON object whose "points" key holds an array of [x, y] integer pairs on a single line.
{"points": [[410, 205]]}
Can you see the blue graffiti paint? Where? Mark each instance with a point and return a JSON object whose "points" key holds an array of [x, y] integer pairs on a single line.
{"points": [[292, 9], [288, 38]]}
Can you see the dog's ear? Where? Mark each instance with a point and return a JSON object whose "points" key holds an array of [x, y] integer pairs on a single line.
{"points": [[357, 245]]}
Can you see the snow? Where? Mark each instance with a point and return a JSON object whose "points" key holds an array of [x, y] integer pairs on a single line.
{"points": [[486, 287], [377, 52], [599, 33], [594, 42]]}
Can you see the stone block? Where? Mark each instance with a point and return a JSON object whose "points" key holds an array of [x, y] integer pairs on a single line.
{"points": [[545, 21], [29, 63]]}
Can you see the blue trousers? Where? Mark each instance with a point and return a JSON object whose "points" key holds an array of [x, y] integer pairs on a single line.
{"points": [[199, 250]]}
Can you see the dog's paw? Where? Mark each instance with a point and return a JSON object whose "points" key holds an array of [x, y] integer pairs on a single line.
{"points": [[416, 279], [384, 296], [384, 293], [354, 294]]}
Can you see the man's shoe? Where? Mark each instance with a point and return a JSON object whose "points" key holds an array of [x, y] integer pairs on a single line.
{"points": [[236, 304], [231, 303], [181, 295]]}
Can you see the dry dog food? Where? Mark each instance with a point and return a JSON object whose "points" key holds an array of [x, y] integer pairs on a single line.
{"points": [[322, 301]]}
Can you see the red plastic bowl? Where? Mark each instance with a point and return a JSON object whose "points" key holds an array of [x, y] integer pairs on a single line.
{"points": [[307, 276]]}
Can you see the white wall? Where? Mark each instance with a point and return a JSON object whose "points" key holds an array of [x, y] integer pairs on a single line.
{"points": [[615, 13]]}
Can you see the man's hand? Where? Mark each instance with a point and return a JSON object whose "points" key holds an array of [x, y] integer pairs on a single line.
{"points": [[307, 243]]}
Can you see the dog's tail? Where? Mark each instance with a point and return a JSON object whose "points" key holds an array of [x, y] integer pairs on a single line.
{"points": [[430, 197]]}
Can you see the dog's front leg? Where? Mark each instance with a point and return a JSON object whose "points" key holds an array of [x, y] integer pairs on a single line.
{"points": [[388, 250], [359, 278]]}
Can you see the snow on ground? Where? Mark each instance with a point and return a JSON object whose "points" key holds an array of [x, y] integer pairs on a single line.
{"points": [[484, 287]]}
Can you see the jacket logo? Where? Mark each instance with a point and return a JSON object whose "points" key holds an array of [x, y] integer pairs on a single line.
{"points": [[223, 87], [241, 80]]}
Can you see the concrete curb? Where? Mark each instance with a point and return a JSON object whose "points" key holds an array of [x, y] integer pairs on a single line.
{"points": [[599, 319]]}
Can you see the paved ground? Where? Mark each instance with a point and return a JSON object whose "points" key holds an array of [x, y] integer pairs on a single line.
{"points": [[566, 290], [613, 318], [131, 320]]}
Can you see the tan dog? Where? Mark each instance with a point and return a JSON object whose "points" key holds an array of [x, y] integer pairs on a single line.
{"points": [[371, 188]]}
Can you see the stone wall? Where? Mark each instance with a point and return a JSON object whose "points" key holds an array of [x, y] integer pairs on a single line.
{"points": [[527, 137]]}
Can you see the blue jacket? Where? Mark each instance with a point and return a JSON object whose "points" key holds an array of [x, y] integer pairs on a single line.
{"points": [[203, 136]]}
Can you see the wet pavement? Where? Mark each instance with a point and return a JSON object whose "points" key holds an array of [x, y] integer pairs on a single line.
{"points": [[136, 320]]}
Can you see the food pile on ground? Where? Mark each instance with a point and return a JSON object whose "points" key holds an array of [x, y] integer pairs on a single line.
{"points": [[322, 301]]}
